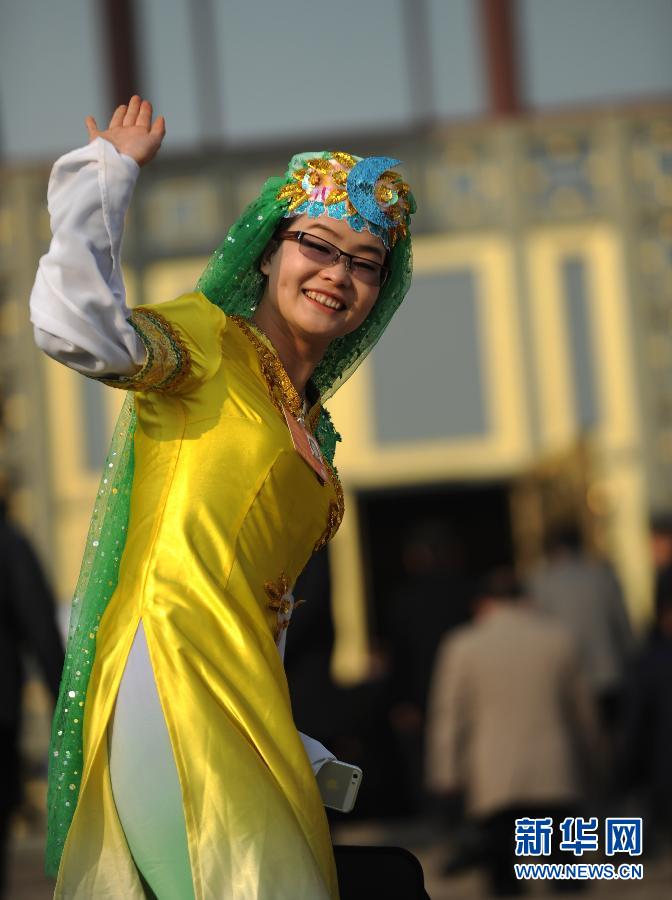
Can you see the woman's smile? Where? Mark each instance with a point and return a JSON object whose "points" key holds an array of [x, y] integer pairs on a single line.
{"points": [[328, 302], [318, 301]]}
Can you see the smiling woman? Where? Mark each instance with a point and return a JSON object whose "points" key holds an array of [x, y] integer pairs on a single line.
{"points": [[176, 769], [317, 291]]}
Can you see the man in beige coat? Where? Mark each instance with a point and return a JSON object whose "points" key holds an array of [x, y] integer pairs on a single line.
{"points": [[509, 709]]}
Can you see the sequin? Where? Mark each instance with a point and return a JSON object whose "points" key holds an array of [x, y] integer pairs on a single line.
{"points": [[225, 283], [279, 384], [282, 391], [67, 741], [168, 359], [365, 192], [280, 602], [334, 514]]}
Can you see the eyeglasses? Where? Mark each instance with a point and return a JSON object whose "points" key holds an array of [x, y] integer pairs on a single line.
{"points": [[320, 251]]}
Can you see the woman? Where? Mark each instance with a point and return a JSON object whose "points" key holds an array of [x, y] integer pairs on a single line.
{"points": [[190, 779]]}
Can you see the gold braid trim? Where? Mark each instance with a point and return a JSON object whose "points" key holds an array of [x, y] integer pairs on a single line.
{"points": [[336, 510], [313, 417], [277, 591], [278, 382], [274, 374], [168, 359]]}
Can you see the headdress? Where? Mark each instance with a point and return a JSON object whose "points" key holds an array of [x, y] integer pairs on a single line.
{"points": [[364, 192], [232, 280], [369, 195]]}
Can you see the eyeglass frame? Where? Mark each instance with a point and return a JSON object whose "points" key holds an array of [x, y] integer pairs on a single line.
{"points": [[297, 237]]}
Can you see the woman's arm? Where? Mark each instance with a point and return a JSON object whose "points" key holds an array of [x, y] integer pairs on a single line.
{"points": [[78, 305]]}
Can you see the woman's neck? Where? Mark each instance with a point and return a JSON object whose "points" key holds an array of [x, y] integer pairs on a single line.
{"points": [[298, 355]]}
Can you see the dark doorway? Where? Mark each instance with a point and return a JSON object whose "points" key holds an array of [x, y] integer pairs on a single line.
{"points": [[476, 513], [423, 547]]}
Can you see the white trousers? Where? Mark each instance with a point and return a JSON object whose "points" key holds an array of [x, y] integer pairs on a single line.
{"points": [[145, 783]]}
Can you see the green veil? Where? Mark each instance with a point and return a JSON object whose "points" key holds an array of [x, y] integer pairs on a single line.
{"points": [[231, 281]]}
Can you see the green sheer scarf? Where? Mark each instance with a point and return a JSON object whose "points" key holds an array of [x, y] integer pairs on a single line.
{"points": [[231, 281]]}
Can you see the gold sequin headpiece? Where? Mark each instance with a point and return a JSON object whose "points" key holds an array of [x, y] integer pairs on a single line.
{"points": [[367, 193]]}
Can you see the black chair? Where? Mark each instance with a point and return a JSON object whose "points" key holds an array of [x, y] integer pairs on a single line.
{"points": [[366, 873]]}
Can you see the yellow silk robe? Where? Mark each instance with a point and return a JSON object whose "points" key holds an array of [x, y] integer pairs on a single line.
{"points": [[224, 516]]}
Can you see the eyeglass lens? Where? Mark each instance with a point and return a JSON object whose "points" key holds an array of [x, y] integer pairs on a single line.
{"points": [[367, 271]]}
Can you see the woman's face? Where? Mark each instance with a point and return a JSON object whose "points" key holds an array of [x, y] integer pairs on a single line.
{"points": [[314, 302]]}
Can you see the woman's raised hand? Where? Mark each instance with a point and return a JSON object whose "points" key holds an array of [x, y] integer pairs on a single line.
{"points": [[132, 131]]}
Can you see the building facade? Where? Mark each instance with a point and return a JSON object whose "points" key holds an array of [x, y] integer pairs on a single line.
{"points": [[527, 378]]}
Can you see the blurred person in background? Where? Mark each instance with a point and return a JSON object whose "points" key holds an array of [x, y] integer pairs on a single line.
{"points": [[27, 626], [584, 594], [511, 723], [308, 652], [646, 742], [660, 532], [352, 720], [433, 598], [190, 776]]}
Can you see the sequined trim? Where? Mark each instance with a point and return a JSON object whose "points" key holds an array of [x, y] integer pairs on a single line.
{"points": [[168, 359], [280, 603], [277, 380], [335, 512], [313, 417], [364, 192]]}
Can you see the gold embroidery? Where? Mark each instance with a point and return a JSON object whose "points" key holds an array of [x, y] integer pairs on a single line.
{"points": [[168, 359], [277, 591], [335, 512], [313, 417], [279, 603], [276, 378], [330, 530], [324, 181], [279, 383]]}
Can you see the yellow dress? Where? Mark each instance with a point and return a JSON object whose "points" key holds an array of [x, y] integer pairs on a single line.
{"points": [[224, 516]]}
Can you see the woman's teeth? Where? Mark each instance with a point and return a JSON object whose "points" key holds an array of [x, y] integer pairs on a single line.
{"points": [[324, 299]]}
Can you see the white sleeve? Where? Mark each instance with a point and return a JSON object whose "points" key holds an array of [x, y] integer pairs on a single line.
{"points": [[78, 302], [316, 752]]}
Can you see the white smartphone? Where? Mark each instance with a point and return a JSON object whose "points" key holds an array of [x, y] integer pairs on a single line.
{"points": [[339, 783]]}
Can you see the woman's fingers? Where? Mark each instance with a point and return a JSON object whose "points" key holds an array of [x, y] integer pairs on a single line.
{"points": [[91, 127], [118, 116], [132, 111], [145, 114], [132, 131], [158, 128]]}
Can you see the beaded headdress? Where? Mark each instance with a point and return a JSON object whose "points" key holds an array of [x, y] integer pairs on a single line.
{"points": [[368, 194], [364, 192], [373, 197]]}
